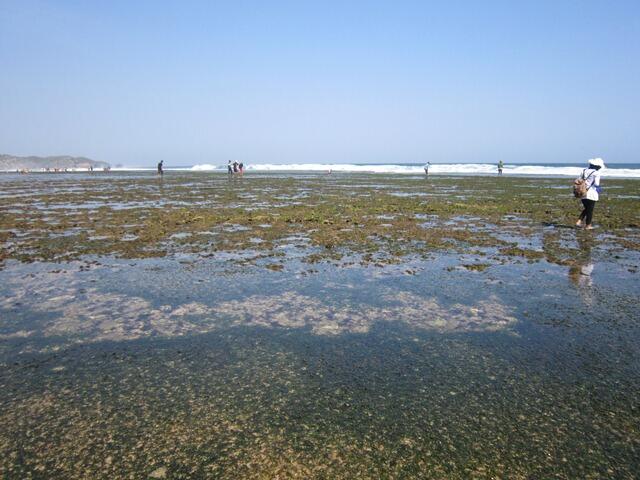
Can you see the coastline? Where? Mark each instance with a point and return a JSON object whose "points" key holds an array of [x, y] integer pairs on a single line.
{"points": [[631, 170]]}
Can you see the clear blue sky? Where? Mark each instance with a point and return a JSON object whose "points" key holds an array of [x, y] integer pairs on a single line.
{"points": [[202, 82]]}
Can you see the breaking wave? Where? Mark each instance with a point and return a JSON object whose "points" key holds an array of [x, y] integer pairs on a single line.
{"points": [[443, 168]]}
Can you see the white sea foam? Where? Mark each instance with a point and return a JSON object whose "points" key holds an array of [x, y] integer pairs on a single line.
{"points": [[443, 168], [205, 167], [436, 168]]}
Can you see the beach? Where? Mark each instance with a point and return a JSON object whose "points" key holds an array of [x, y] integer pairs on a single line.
{"points": [[306, 325]]}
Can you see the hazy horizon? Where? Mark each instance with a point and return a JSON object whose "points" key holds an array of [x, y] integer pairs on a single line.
{"points": [[284, 82]]}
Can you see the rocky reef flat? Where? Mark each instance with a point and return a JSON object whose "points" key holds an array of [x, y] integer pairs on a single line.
{"points": [[317, 326]]}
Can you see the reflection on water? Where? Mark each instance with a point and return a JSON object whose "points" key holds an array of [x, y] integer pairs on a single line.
{"points": [[582, 265], [161, 185], [164, 369], [82, 314]]}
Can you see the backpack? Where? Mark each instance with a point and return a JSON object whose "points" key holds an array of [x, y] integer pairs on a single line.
{"points": [[580, 186]]}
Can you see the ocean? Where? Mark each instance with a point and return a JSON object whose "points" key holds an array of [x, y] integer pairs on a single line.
{"points": [[617, 170]]}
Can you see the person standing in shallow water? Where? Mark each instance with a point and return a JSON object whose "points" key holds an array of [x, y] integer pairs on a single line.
{"points": [[591, 175], [426, 168], [500, 167], [160, 170]]}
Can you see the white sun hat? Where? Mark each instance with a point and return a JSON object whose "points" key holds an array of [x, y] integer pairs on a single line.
{"points": [[597, 162]]}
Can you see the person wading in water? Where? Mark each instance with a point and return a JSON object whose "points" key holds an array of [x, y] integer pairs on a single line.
{"points": [[591, 177]]}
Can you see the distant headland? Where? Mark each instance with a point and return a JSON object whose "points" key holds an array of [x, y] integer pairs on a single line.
{"points": [[59, 162]]}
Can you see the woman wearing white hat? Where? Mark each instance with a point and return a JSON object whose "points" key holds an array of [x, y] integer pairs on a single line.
{"points": [[591, 176]]}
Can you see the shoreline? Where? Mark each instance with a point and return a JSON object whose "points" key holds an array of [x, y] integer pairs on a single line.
{"points": [[251, 171]]}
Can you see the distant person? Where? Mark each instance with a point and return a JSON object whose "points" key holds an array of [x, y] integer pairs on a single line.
{"points": [[241, 167], [235, 167], [160, 169], [591, 177], [500, 167], [229, 167], [426, 168]]}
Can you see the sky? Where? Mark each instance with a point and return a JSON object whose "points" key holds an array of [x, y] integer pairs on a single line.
{"points": [[195, 82]]}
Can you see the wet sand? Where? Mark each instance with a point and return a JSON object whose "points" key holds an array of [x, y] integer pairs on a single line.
{"points": [[307, 326]]}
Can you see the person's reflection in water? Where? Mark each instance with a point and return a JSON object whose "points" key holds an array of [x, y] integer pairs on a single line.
{"points": [[161, 185], [582, 268]]}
